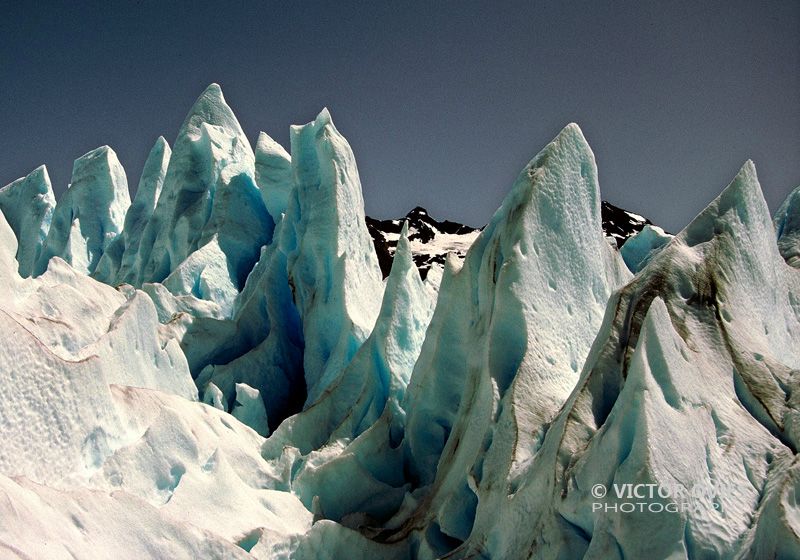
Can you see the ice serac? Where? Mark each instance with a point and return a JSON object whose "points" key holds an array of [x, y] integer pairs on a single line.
{"points": [[273, 175], [787, 228], [209, 191], [640, 248], [333, 270], [266, 348], [374, 382], [8, 251], [400, 328], [27, 204], [118, 262], [213, 396], [477, 429], [90, 214], [360, 417], [694, 360], [776, 533], [525, 307], [205, 275], [249, 408]]}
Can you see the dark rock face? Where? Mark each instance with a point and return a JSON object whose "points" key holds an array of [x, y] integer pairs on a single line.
{"points": [[384, 249], [620, 224], [431, 240]]}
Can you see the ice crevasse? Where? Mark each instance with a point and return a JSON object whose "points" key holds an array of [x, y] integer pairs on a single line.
{"points": [[217, 368]]}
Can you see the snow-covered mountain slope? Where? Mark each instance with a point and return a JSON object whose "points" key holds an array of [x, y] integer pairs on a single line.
{"points": [[218, 369], [432, 240], [619, 224]]}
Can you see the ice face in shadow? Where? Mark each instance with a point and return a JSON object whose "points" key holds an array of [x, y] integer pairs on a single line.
{"points": [[90, 214], [787, 228], [365, 399], [308, 294], [317, 280], [27, 204], [262, 345]]}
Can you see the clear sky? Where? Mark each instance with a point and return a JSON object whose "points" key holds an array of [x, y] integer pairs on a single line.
{"points": [[443, 103]]}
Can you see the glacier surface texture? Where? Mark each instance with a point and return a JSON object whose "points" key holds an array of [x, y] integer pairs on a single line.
{"points": [[238, 363]]}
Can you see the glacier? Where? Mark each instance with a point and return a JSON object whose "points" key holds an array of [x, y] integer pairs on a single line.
{"points": [[239, 363], [90, 215], [118, 261], [27, 205], [640, 248]]}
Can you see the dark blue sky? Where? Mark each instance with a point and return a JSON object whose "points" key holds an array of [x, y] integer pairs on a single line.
{"points": [[443, 105]]}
